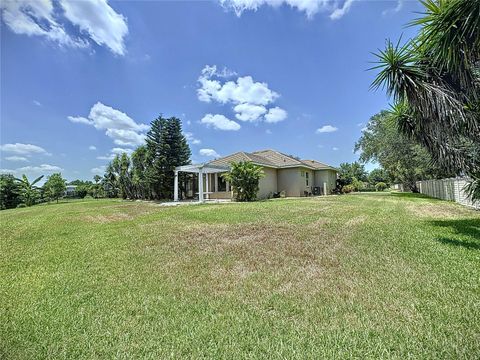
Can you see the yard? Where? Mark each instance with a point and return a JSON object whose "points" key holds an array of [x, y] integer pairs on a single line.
{"points": [[364, 276]]}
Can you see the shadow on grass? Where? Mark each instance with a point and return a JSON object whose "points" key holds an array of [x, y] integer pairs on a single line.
{"points": [[410, 195], [468, 229]]}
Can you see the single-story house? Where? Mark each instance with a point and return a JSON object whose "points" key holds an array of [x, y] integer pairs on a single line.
{"points": [[70, 190], [283, 173]]}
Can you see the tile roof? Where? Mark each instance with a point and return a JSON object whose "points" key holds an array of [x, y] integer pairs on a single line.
{"points": [[270, 158]]}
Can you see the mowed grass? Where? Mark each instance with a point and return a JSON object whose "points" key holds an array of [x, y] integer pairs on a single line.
{"points": [[358, 276]]}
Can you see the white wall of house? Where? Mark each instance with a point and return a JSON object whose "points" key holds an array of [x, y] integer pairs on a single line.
{"points": [[290, 181], [268, 184], [326, 176]]}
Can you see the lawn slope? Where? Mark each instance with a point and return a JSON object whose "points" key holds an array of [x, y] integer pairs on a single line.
{"points": [[365, 276]]}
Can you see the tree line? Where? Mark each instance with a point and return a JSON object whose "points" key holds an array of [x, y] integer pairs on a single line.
{"points": [[434, 81], [148, 173], [19, 192]]}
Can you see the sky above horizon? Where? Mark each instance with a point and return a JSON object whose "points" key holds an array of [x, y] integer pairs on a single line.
{"points": [[82, 80]]}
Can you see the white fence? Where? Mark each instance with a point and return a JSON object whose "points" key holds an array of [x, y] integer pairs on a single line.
{"points": [[447, 189]]}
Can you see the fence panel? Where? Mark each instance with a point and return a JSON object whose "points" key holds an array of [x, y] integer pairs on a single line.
{"points": [[448, 189]]}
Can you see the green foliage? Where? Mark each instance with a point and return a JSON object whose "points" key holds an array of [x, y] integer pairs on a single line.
{"points": [[28, 190], [166, 148], [55, 186], [381, 186], [349, 172], [378, 175], [357, 184], [149, 172], [9, 192], [81, 191], [244, 178], [434, 80], [348, 189], [83, 188], [403, 159]]}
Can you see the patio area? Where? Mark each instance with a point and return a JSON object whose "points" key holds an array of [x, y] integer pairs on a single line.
{"points": [[210, 186]]}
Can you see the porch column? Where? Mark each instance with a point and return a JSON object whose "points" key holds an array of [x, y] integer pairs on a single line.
{"points": [[200, 185], [216, 182], [325, 188], [227, 186], [175, 186], [207, 188]]}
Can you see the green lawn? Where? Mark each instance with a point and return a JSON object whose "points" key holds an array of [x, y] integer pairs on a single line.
{"points": [[356, 276]]}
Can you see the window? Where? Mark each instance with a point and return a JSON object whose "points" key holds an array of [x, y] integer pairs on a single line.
{"points": [[222, 184], [302, 173], [306, 178]]}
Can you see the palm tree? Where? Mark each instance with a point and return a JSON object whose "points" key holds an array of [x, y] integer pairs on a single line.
{"points": [[434, 80], [28, 190]]}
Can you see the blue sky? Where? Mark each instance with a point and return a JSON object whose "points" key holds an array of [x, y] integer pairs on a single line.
{"points": [[81, 81]]}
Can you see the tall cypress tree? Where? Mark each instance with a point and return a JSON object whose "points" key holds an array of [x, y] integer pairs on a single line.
{"points": [[176, 151], [154, 158], [166, 149]]}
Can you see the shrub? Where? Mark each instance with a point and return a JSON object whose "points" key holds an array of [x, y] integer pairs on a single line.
{"points": [[380, 186], [348, 189], [81, 191], [244, 177]]}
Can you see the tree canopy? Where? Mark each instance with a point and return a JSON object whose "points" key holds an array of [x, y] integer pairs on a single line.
{"points": [[404, 159], [55, 186], [434, 80], [149, 172]]}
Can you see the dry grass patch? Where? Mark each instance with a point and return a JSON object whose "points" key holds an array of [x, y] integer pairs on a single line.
{"points": [[440, 210], [262, 257], [123, 212]]}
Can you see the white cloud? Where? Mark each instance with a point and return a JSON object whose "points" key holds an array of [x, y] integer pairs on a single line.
{"points": [[334, 148], [339, 12], [211, 70], [326, 129], [114, 152], [95, 19], [23, 149], [108, 157], [208, 152], [268, 132], [360, 124], [243, 90], [191, 139], [100, 170], [16, 158], [119, 126], [126, 137], [92, 147], [37, 18], [249, 112], [395, 9], [120, 151], [36, 102], [100, 21], [275, 115], [79, 120], [42, 169], [249, 98], [309, 7], [220, 122]]}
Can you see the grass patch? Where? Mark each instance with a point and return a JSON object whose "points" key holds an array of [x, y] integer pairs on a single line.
{"points": [[374, 275]]}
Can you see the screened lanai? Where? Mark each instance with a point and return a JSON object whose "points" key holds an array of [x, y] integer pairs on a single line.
{"points": [[205, 174]]}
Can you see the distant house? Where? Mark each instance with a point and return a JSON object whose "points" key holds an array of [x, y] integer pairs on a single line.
{"points": [[70, 190], [283, 173]]}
